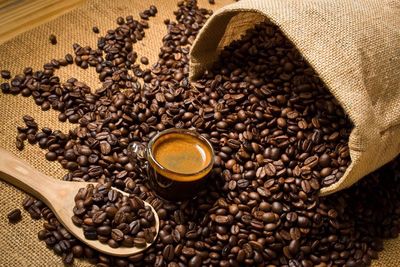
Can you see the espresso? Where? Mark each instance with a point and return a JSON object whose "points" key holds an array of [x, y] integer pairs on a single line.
{"points": [[182, 154]]}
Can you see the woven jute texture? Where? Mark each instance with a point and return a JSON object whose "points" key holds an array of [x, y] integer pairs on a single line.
{"points": [[19, 243], [352, 45]]}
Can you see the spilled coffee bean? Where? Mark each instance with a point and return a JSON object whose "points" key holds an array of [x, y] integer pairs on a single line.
{"points": [[53, 39], [113, 218], [14, 216], [5, 74]]}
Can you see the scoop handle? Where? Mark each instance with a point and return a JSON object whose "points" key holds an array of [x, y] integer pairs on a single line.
{"points": [[20, 174]]}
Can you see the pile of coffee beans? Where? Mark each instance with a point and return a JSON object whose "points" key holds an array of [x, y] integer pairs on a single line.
{"points": [[278, 134], [107, 215]]}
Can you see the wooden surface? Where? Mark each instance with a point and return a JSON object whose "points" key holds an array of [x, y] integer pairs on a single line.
{"points": [[18, 16]]}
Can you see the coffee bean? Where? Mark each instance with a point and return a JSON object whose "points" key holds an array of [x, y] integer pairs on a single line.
{"points": [[14, 216], [149, 235], [153, 10], [99, 217], [303, 221], [134, 227], [104, 230], [19, 143], [128, 241], [242, 183], [223, 219], [277, 207], [139, 242], [90, 235], [311, 161], [77, 251], [324, 160], [53, 39], [51, 156], [111, 211], [195, 261], [68, 259], [5, 88], [95, 29], [5, 74], [120, 20], [117, 235], [269, 217], [113, 195], [294, 247], [28, 202], [168, 253], [305, 185], [270, 169], [105, 147], [144, 60], [222, 125], [325, 171]]}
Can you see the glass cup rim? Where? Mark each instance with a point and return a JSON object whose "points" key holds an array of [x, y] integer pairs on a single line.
{"points": [[182, 131]]}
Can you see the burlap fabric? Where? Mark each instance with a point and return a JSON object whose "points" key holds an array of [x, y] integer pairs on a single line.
{"points": [[19, 243], [352, 45]]}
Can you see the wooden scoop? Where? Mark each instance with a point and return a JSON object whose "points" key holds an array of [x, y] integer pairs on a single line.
{"points": [[59, 197]]}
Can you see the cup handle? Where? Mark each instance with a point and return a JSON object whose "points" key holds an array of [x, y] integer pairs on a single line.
{"points": [[137, 153]]}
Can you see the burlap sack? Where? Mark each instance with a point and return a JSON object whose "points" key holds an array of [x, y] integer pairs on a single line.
{"points": [[19, 244], [355, 48]]}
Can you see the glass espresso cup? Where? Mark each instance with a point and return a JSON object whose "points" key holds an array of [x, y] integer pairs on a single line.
{"points": [[177, 162]]}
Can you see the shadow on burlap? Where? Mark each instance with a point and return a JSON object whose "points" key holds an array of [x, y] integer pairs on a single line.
{"points": [[19, 243]]}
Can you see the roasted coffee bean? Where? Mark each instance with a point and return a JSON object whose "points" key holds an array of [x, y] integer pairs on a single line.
{"points": [[224, 219], [14, 216], [277, 207], [105, 147], [139, 242], [68, 258], [95, 29], [117, 235], [99, 217], [120, 20], [168, 252], [5, 88], [195, 261], [34, 212], [324, 160], [77, 251], [144, 60], [51, 156], [113, 195], [104, 230], [90, 234], [28, 202], [53, 39], [242, 183], [5, 74], [19, 143]]}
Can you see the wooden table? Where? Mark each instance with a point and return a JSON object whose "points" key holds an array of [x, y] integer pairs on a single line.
{"points": [[17, 16]]}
